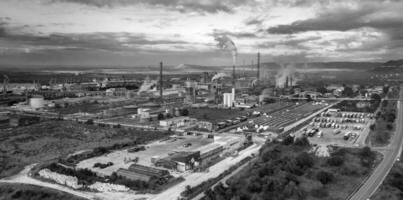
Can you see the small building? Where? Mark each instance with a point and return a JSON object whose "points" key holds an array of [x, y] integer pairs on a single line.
{"points": [[142, 173], [178, 122], [205, 125], [180, 161]]}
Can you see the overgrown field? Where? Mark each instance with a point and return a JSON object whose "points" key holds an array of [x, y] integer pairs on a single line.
{"points": [[51, 139], [287, 171], [392, 187], [31, 192], [384, 127]]}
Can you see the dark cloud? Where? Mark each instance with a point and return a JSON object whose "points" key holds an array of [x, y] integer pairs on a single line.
{"points": [[293, 43], [242, 34], [254, 21], [209, 6], [114, 42], [346, 18]]}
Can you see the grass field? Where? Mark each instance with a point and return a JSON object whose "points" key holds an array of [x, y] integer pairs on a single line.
{"points": [[31, 192], [51, 139]]}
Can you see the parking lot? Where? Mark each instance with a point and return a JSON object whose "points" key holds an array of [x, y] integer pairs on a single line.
{"points": [[338, 128]]}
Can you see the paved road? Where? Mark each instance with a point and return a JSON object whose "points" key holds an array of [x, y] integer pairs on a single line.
{"points": [[390, 156]]}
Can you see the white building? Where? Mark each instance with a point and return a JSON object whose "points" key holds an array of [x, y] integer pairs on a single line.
{"points": [[229, 98]]}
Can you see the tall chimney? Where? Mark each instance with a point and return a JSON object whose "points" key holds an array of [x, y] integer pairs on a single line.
{"points": [[161, 82], [258, 66], [233, 76]]}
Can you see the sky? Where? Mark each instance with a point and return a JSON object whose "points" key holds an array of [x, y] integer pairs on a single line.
{"points": [[145, 32]]}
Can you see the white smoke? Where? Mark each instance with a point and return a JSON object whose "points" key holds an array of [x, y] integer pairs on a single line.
{"points": [[286, 71], [218, 76], [147, 85], [225, 43]]}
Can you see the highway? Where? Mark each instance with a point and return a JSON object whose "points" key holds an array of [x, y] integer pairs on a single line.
{"points": [[390, 155]]}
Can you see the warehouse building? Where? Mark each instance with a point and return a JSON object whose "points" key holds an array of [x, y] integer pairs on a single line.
{"points": [[143, 173]]}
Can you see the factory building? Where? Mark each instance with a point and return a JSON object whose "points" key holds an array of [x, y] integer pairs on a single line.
{"points": [[178, 122], [142, 173], [209, 154], [229, 98], [180, 161]]}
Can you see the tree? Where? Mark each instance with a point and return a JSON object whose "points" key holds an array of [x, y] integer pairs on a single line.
{"points": [[302, 141], [321, 89], [288, 140], [160, 116], [188, 189], [184, 112], [376, 97], [348, 92], [304, 160], [372, 127], [389, 126], [324, 177]]}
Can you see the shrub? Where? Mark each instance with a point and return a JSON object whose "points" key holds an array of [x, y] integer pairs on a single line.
{"points": [[389, 126], [372, 127], [302, 141], [288, 140], [319, 193], [324, 177], [335, 161], [304, 160]]}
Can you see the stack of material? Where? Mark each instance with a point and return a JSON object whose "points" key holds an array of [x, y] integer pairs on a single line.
{"points": [[107, 187], [60, 178]]}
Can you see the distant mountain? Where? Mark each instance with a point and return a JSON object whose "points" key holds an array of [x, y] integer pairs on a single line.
{"points": [[390, 66], [394, 63]]}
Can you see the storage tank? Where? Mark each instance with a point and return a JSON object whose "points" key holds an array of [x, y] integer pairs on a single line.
{"points": [[37, 102]]}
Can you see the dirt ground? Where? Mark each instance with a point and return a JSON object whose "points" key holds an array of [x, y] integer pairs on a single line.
{"points": [[157, 149]]}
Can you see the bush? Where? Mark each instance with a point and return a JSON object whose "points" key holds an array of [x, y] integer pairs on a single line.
{"points": [[319, 193], [389, 127], [288, 140], [335, 161], [302, 141], [324, 177], [304, 160], [372, 127]]}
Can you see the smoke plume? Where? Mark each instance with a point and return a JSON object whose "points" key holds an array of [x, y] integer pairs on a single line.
{"points": [[147, 85], [226, 43], [287, 72], [218, 76]]}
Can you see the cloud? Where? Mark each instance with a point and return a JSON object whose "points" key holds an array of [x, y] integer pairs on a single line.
{"points": [[208, 6], [239, 34], [254, 21], [111, 42], [346, 17]]}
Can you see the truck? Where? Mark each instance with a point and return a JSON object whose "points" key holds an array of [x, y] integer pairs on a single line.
{"points": [[320, 134], [347, 136]]}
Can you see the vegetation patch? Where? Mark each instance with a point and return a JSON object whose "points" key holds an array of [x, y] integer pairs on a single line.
{"points": [[286, 170], [31, 192]]}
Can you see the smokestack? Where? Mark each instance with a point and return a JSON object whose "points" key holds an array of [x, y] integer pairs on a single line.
{"points": [[233, 76], [286, 82], [161, 82], [258, 66], [290, 81]]}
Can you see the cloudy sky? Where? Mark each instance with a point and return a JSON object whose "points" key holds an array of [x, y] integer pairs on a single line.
{"points": [[142, 32]]}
